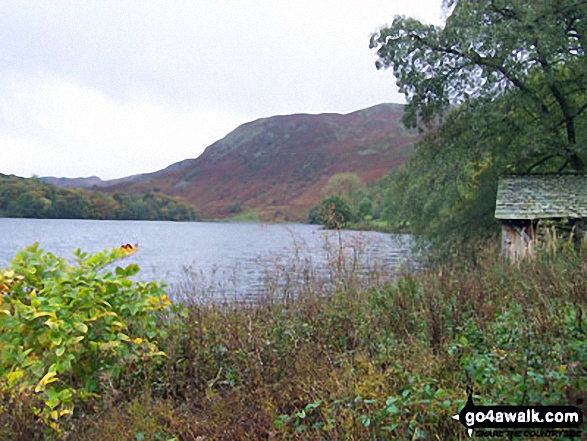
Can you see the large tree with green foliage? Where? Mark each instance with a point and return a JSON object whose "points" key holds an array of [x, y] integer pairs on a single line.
{"points": [[532, 52], [504, 86]]}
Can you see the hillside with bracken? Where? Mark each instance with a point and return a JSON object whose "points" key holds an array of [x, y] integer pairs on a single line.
{"points": [[277, 166]]}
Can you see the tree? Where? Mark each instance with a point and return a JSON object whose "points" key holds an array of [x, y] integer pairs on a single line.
{"points": [[501, 88], [365, 209], [347, 186], [342, 184], [531, 52], [333, 212], [446, 192], [26, 197], [32, 203]]}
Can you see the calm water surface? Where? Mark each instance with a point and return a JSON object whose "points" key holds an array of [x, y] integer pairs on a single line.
{"points": [[228, 259]]}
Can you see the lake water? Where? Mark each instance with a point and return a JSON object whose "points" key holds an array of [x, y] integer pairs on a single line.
{"points": [[216, 260]]}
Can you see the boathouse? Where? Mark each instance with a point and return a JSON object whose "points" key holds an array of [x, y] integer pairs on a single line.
{"points": [[524, 202]]}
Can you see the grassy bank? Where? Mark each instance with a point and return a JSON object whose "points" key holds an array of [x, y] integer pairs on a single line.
{"points": [[375, 225], [364, 359], [252, 216]]}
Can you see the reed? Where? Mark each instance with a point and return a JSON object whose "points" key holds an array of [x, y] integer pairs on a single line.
{"points": [[340, 355]]}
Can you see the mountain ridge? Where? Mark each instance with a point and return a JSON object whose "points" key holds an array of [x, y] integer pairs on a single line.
{"points": [[277, 165]]}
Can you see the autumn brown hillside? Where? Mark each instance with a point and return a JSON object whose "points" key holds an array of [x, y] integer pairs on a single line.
{"points": [[277, 166]]}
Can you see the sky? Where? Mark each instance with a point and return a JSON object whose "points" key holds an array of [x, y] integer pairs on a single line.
{"points": [[113, 88]]}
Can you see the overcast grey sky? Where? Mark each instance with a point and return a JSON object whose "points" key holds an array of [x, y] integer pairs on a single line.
{"points": [[113, 88]]}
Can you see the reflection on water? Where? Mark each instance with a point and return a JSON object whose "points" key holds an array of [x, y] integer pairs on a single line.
{"points": [[232, 261]]}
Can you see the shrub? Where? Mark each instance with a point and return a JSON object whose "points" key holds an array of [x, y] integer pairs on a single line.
{"points": [[345, 360], [235, 208], [68, 332], [333, 212]]}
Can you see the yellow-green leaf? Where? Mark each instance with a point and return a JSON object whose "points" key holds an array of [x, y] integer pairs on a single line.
{"points": [[49, 377], [52, 323], [81, 327], [44, 313], [14, 376], [66, 411]]}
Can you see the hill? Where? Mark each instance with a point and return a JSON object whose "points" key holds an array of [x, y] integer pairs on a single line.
{"points": [[277, 166], [73, 182], [89, 182]]}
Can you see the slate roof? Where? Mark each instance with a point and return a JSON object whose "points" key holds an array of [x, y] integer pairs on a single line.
{"points": [[541, 197]]}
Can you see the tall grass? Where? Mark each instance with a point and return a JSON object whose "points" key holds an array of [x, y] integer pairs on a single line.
{"points": [[343, 262], [352, 357]]}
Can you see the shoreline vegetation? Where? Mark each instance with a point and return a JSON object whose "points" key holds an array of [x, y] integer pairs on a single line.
{"points": [[375, 225], [89, 354], [32, 198]]}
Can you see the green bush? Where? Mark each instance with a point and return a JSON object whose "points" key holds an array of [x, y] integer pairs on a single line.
{"points": [[365, 210], [333, 212], [68, 332]]}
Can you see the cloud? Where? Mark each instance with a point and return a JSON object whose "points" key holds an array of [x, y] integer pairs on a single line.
{"points": [[71, 126], [114, 88]]}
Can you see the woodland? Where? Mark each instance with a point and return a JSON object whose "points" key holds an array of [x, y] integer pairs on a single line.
{"points": [[32, 198]]}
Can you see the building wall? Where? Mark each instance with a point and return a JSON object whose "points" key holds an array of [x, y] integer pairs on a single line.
{"points": [[518, 241]]}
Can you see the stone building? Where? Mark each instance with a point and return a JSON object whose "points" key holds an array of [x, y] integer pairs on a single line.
{"points": [[524, 202]]}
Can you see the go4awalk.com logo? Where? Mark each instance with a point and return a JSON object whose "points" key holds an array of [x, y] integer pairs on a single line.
{"points": [[530, 421]]}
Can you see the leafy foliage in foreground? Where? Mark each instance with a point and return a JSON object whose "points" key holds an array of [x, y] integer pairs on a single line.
{"points": [[32, 198], [68, 332], [383, 361]]}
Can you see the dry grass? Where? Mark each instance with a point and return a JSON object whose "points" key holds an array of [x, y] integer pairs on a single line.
{"points": [[354, 357]]}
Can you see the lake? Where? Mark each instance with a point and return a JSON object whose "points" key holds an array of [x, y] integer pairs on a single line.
{"points": [[218, 260]]}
